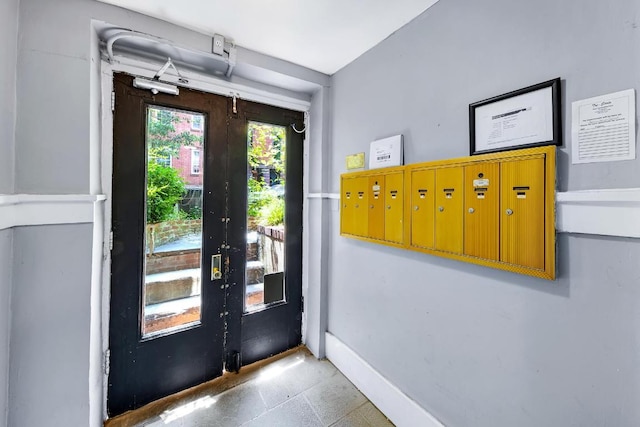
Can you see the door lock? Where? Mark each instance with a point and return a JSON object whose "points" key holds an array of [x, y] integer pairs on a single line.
{"points": [[216, 267], [509, 212], [471, 210], [441, 208]]}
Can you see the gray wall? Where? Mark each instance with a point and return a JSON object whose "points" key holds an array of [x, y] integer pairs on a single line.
{"points": [[49, 377], [9, 37], [476, 346], [6, 241], [8, 47]]}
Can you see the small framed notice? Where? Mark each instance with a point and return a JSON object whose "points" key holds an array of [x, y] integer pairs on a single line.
{"points": [[386, 152], [603, 128]]}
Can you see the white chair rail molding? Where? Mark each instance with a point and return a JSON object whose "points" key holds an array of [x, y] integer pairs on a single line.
{"points": [[610, 212], [43, 209]]}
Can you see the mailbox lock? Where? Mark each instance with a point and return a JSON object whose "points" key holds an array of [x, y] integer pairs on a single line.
{"points": [[415, 208], [509, 212], [441, 208], [471, 210], [371, 207], [357, 206], [388, 206]]}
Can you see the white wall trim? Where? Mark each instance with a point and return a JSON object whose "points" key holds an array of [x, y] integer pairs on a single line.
{"points": [[396, 405], [611, 212], [323, 196], [41, 209]]}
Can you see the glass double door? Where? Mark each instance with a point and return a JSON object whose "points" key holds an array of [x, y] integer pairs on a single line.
{"points": [[207, 226]]}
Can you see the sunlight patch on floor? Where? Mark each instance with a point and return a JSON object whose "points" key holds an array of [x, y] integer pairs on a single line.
{"points": [[186, 409], [275, 371]]}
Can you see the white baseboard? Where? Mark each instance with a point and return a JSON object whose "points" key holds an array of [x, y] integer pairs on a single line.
{"points": [[396, 405], [611, 212], [39, 209]]}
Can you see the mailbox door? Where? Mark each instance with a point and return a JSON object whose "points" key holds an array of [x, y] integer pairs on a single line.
{"points": [[361, 206], [481, 210], [376, 207], [347, 197], [449, 204], [422, 207], [522, 213], [394, 207]]}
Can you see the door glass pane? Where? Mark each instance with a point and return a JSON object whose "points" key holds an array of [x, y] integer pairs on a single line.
{"points": [[173, 231], [266, 183]]}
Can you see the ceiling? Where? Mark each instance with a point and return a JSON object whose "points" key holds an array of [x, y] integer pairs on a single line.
{"points": [[324, 35]]}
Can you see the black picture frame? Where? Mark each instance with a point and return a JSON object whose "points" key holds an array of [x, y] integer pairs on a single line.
{"points": [[552, 119]]}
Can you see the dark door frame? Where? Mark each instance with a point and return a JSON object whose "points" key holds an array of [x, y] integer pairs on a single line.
{"points": [[246, 334], [253, 334], [129, 351]]}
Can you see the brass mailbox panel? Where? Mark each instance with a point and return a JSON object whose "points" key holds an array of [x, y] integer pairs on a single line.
{"points": [[481, 205], [361, 207], [347, 198], [376, 207], [394, 207], [422, 207], [448, 215], [522, 213], [495, 210]]}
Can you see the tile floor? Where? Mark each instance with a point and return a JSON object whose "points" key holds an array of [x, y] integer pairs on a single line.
{"points": [[295, 390]]}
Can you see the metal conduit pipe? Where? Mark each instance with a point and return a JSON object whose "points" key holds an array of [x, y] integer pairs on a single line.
{"points": [[134, 34]]}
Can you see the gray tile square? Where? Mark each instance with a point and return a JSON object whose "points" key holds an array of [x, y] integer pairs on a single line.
{"points": [[230, 408], [295, 412], [290, 378], [334, 398], [373, 415], [354, 419]]}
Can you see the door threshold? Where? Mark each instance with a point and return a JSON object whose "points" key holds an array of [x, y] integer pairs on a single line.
{"points": [[223, 383]]}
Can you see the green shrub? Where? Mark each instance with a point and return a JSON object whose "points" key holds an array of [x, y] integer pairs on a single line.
{"points": [[165, 188], [194, 213], [272, 213], [177, 215]]}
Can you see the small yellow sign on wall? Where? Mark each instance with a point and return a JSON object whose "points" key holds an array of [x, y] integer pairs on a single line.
{"points": [[355, 161]]}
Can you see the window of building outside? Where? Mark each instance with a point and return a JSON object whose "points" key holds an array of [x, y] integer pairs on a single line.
{"points": [[196, 123], [164, 161], [195, 162]]}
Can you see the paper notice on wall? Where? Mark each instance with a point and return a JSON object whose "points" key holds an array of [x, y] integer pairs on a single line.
{"points": [[603, 128], [386, 152]]}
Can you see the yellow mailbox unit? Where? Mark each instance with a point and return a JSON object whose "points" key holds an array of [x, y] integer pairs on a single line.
{"points": [[496, 210], [379, 214]]}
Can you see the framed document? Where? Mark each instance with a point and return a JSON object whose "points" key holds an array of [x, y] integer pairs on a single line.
{"points": [[528, 117]]}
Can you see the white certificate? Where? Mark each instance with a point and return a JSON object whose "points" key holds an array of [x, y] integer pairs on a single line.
{"points": [[527, 117], [520, 120], [603, 128]]}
